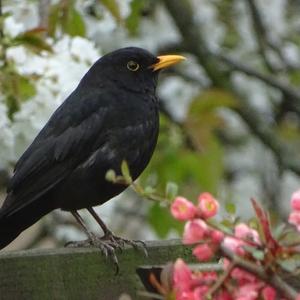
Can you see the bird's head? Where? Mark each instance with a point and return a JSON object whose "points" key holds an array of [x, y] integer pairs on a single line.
{"points": [[132, 68]]}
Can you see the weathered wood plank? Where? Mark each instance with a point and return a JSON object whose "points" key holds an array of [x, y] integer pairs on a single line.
{"points": [[78, 273]]}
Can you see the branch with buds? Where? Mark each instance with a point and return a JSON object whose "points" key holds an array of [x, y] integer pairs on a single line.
{"points": [[252, 258]]}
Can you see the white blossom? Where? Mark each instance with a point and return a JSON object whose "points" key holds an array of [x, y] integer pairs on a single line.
{"points": [[11, 27]]}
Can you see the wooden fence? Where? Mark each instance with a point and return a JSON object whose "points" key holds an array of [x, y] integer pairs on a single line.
{"points": [[79, 273]]}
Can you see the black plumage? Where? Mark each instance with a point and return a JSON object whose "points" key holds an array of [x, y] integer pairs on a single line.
{"points": [[111, 116]]}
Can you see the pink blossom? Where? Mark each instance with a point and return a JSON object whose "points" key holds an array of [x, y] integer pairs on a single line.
{"points": [[194, 231], [242, 276], [216, 236], [207, 205], [182, 277], [224, 295], [226, 263], [209, 277], [294, 218], [203, 252], [182, 209], [248, 291], [235, 245], [269, 293], [295, 200], [200, 292], [188, 295], [298, 297], [244, 232]]}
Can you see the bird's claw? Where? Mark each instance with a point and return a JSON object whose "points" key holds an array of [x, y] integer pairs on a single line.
{"points": [[120, 243], [93, 241], [108, 244]]}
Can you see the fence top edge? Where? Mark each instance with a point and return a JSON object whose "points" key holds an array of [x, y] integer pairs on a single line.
{"points": [[66, 251]]}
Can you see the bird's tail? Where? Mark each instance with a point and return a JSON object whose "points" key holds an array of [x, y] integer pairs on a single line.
{"points": [[11, 225]]}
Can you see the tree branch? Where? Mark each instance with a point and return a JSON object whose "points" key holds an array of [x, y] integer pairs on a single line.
{"points": [[44, 12], [1, 22], [182, 14], [273, 279], [261, 33], [286, 89]]}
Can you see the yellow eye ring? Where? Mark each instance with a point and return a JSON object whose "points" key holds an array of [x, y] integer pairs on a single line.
{"points": [[133, 66]]}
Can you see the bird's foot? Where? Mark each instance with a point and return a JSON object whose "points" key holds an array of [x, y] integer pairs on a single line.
{"points": [[120, 243], [98, 242], [108, 244]]}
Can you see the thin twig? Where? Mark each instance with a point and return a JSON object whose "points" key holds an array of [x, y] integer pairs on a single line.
{"points": [[149, 295], [221, 280], [1, 23], [44, 12], [193, 42], [261, 33], [285, 289], [286, 89]]}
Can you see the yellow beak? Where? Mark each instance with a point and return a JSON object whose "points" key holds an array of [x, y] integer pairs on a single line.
{"points": [[165, 61]]}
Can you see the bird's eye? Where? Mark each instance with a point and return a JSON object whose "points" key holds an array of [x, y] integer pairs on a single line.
{"points": [[133, 66]]}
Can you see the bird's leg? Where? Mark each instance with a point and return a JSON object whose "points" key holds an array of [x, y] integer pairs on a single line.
{"points": [[81, 222], [93, 240], [115, 241], [106, 231]]}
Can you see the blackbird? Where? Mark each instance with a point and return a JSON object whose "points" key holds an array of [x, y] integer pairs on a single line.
{"points": [[112, 116]]}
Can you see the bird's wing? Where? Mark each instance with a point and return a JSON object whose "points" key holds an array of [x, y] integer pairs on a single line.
{"points": [[70, 136]]}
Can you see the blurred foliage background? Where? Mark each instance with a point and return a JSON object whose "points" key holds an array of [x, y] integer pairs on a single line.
{"points": [[230, 114]]}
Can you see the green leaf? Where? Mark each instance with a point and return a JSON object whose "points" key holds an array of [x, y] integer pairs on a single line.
{"points": [[161, 221], [133, 20], [111, 176], [113, 7], [174, 162], [294, 77], [53, 19], [33, 39], [171, 190], [17, 88], [211, 166], [225, 226], [258, 254], [211, 99], [291, 264], [65, 16], [279, 231], [26, 88], [149, 190], [203, 117], [125, 172], [73, 24], [230, 208]]}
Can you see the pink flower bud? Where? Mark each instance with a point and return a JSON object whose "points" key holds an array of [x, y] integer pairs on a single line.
{"points": [[182, 277], [182, 209], [268, 293], [242, 277], [294, 218], [209, 277], [244, 232], [295, 201], [194, 231], [216, 236], [248, 291], [208, 205], [203, 252], [224, 295], [200, 292], [234, 245]]}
